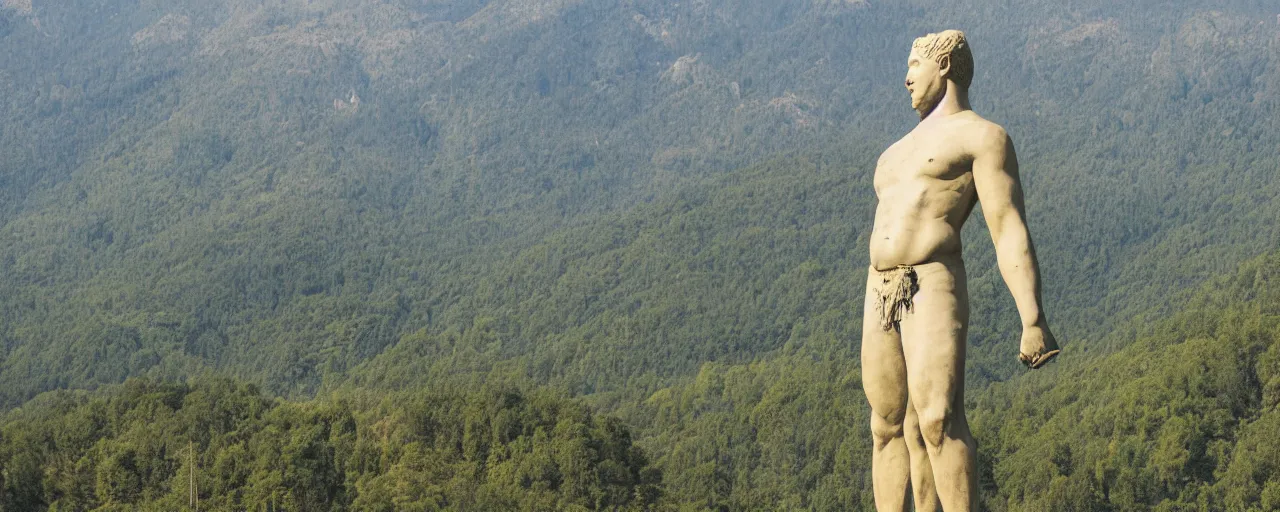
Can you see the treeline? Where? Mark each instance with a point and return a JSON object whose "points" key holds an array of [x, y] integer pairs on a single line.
{"points": [[145, 445], [1181, 419], [1184, 418]]}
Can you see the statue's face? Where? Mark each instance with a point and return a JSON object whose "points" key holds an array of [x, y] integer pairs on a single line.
{"points": [[925, 82]]}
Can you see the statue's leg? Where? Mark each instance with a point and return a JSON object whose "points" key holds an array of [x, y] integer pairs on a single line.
{"points": [[933, 338], [922, 488], [884, 380]]}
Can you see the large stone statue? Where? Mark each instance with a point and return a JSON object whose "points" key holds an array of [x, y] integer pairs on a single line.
{"points": [[917, 306]]}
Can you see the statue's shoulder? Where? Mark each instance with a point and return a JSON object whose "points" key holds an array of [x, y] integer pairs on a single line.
{"points": [[982, 133], [975, 123]]}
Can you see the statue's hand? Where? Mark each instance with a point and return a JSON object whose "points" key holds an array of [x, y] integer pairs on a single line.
{"points": [[1038, 346]]}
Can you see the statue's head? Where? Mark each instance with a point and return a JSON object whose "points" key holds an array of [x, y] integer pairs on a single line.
{"points": [[936, 59]]}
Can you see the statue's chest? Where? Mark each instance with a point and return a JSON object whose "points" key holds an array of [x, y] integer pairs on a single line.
{"points": [[919, 160]]}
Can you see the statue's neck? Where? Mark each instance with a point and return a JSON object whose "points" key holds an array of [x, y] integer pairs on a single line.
{"points": [[954, 101]]}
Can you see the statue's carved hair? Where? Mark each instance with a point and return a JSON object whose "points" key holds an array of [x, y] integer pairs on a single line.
{"points": [[950, 43]]}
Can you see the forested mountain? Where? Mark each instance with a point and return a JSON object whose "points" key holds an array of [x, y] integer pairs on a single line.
{"points": [[1184, 417], [658, 209]]}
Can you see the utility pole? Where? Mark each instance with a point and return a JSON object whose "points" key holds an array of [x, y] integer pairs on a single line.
{"points": [[193, 497]]}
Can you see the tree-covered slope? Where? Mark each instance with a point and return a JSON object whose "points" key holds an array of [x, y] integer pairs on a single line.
{"points": [[149, 446], [301, 162], [1184, 417], [598, 196]]}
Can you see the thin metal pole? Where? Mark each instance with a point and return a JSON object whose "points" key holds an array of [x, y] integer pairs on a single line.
{"points": [[191, 474]]}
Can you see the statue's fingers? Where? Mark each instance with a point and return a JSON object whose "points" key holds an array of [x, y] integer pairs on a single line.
{"points": [[1044, 358]]}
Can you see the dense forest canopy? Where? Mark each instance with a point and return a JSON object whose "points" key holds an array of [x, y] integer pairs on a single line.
{"points": [[646, 218]]}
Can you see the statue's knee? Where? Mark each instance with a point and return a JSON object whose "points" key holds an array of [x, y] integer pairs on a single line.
{"points": [[886, 427], [934, 425]]}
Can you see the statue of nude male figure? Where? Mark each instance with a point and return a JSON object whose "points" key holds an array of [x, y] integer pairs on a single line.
{"points": [[917, 305]]}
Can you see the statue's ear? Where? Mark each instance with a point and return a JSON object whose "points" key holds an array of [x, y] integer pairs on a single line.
{"points": [[944, 66]]}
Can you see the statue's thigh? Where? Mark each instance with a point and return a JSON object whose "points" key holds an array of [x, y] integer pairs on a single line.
{"points": [[884, 369], [933, 339]]}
